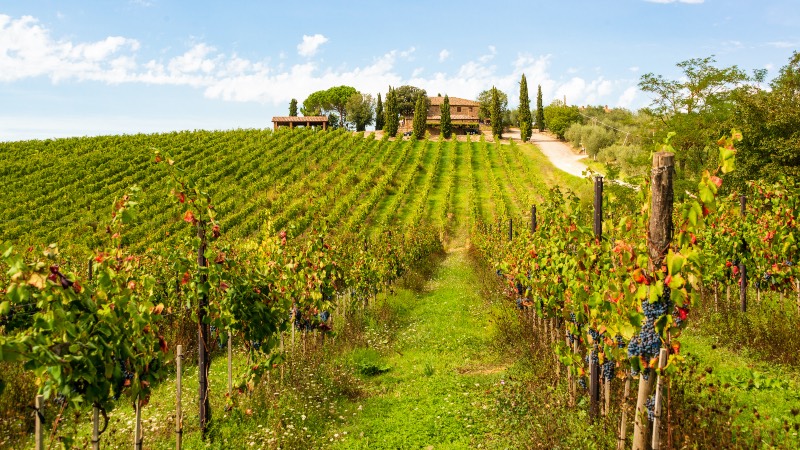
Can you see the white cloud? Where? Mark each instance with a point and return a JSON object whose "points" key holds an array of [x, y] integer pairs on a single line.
{"points": [[692, 2], [310, 44], [27, 50], [784, 44], [443, 55], [626, 99], [633, 68]]}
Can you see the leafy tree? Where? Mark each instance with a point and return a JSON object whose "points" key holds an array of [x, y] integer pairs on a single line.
{"points": [[559, 117], [769, 120], [379, 117], [420, 117], [445, 126], [293, 107], [331, 100], [524, 113], [360, 110], [485, 99], [406, 97], [540, 122], [496, 114], [698, 107], [391, 121], [314, 104]]}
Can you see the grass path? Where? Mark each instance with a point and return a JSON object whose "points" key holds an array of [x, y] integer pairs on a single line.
{"points": [[439, 390]]}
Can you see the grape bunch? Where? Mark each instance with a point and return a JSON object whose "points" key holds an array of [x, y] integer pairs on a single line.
{"points": [[608, 370], [647, 343], [650, 404], [520, 288], [582, 383], [620, 341], [596, 337]]}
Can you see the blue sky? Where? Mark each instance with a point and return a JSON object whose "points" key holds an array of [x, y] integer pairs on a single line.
{"points": [[74, 68]]}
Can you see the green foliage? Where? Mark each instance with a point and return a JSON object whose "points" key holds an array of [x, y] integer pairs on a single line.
{"points": [[379, 115], [360, 110], [331, 100], [445, 126], [485, 100], [540, 123], [293, 107], [420, 118], [368, 362], [496, 113], [770, 123], [406, 99], [392, 120], [592, 138], [524, 114], [560, 117]]}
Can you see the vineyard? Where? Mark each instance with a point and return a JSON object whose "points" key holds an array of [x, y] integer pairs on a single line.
{"points": [[281, 244]]}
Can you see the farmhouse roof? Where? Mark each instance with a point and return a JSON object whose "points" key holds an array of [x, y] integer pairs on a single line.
{"points": [[302, 119], [454, 101]]}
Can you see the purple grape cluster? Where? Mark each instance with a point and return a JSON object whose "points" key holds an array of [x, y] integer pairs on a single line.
{"points": [[650, 404], [608, 370]]}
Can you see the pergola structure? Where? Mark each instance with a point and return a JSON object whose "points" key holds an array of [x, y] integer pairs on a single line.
{"points": [[293, 121]]}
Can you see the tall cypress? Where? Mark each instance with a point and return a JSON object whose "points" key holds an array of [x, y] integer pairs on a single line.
{"points": [[496, 118], [391, 122], [539, 110], [379, 113], [524, 114], [445, 127], [293, 107], [420, 117]]}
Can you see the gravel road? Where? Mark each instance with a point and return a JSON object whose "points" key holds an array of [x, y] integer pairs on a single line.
{"points": [[559, 153]]}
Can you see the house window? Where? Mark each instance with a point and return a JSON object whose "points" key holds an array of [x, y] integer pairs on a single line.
{"points": [[458, 109]]}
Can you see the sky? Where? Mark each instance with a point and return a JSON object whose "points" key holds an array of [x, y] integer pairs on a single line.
{"points": [[88, 67]]}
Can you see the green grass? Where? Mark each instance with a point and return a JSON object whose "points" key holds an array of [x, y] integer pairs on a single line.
{"points": [[439, 390]]}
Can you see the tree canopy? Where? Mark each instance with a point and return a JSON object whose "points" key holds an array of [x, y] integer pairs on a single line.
{"points": [[360, 110], [496, 113], [445, 125], [420, 117], [406, 97], [485, 99], [524, 112], [293, 107], [379, 118], [391, 119], [540, 123], [331, 100], [559, 117]]}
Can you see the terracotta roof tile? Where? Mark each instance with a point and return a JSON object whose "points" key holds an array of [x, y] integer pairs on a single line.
{"points": [[454, 101], [300, 118]]}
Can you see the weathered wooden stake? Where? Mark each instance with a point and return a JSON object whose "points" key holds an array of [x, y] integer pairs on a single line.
{"points": [[662, 362], [178, 406], [623, 425], [95, 426], [137, 430], [230, 365], [533, 218], [510, 230], [203, 360], [660, 237], [606, 397], [594, 367], [742, 268], [39, 429]]}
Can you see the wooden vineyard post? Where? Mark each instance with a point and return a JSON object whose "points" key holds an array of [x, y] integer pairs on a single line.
{"points": [[230, 366], [178, 409], [203, 360], [660, 236], [594, 367], [554, 338], [662, 362], [95, 409], [510, 230], [742, 268], [39, 415], [606, 397], [533, 219], [623, 425], [137, 430]]}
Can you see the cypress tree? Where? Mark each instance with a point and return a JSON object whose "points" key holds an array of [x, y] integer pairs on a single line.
{"points": [[539, 110], [379, 113], [293, 107], [391, 122], [445, 127], [524, 110], [420, 117], [496, 118]]}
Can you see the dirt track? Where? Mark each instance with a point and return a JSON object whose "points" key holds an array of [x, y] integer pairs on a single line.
{"points": [[559, 153]]}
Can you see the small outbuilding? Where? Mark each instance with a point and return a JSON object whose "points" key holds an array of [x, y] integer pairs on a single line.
{"points": [[300, 121]]}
